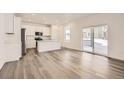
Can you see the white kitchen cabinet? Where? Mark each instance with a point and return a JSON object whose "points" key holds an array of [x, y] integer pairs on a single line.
{"points": [[32, 30], [31, 44], [48, 45], [9, 23], [46, 31], [30, 34], [41, 29]]}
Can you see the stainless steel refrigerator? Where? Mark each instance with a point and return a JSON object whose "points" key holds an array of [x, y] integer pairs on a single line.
{"points": [[23, 41]]}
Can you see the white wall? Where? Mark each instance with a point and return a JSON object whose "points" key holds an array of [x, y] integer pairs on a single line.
{"points": [[74, 42], [1, 40], [10, 44], [115, 35], [56, 32]]}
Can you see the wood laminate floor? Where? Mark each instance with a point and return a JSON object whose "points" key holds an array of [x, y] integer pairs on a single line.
{"points": [[63, 64]]}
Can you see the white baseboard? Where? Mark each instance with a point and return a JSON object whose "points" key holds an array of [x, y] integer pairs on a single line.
{"points": [[1, 63]]}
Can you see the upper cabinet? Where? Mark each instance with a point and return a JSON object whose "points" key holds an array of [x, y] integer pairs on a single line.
{"points": [[9, 23], [46, 31], [31, 29]]}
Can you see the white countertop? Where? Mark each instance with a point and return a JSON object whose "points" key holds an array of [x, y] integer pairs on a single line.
{"points": [[48, 45]]}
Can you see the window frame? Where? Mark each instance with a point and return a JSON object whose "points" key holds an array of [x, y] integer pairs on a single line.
{"points": [[92, 27], [67, 28]]}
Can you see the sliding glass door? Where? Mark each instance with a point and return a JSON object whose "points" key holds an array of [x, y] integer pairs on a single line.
{"points": [[100, 40], [95, 39], [88, 39]]}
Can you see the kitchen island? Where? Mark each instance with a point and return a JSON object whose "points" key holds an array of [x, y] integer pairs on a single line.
{"points": [[47, 45]]}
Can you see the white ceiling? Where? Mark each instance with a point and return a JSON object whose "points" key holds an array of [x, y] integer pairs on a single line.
{"points": [[51, 18]]}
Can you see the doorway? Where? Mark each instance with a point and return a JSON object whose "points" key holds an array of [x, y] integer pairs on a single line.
{"points": [[95, 39]]}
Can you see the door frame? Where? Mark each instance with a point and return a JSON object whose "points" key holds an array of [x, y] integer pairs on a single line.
{"points": [[106, 55]]}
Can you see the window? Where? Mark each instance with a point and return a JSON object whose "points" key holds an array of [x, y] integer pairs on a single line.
{"points": [[67, 33]]}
